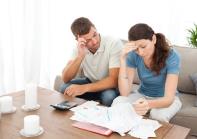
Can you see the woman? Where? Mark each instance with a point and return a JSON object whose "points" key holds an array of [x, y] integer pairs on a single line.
{"points": [[158, 67]]}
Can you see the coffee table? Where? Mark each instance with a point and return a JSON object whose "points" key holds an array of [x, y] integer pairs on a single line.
{"points": [[57, 124]]}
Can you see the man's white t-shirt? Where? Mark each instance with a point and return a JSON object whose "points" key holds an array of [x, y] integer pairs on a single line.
{"points": [[96, 66]]}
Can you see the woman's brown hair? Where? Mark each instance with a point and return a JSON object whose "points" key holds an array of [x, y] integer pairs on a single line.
{"points": [[162, 48]]}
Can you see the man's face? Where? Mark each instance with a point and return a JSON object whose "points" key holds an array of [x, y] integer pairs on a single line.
{"points": [[92, 39]]}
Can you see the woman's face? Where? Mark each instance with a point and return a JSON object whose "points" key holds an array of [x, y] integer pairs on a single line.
{"points": [[145, 47]]}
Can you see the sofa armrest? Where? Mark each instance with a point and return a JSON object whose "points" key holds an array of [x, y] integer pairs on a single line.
{"points": [[58, 82]]}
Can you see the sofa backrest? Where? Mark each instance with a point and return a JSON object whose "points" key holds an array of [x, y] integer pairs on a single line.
{"points": [[188, 66]]}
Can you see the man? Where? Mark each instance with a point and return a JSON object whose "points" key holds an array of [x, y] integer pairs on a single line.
{"points": [[98, 58]]}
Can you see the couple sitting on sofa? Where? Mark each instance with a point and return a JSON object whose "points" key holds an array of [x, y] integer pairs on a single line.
{"points": [[107, 66]]}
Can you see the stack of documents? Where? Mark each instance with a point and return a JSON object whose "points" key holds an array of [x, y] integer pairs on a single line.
{"points": [[120, 118]]}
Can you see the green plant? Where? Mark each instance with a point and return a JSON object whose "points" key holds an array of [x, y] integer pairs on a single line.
{"points": [[192, 39]]}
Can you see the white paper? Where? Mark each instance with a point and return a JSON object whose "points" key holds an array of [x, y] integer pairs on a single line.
{"points": [[86, 105], [145, 129], [119, 118]]}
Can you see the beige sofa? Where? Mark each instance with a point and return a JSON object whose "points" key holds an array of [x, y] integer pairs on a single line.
{"points": [[187, 116]]}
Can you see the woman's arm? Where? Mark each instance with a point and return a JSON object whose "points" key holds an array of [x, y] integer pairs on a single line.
{"points": [[126, 74], [170, 91], [125, 79], [141, 106]]}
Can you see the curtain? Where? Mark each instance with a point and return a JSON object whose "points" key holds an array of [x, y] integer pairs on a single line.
{"points": [[36, 41]]}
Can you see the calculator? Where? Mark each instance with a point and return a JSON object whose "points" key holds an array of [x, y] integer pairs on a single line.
{"points": [[65, 105]]}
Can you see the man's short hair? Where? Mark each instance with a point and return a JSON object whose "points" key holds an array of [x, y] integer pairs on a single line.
{"points": [[81, 26]]}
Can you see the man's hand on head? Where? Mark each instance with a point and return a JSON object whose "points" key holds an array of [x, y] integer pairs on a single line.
{"points": [[82, 50]]}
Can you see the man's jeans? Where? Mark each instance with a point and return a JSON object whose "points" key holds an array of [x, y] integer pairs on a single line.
{"points": [[105, 97]]}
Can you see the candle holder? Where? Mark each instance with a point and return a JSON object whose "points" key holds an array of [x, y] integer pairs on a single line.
{"points": [[25, 108], [22, 132], [32, 126], [8, 112]]}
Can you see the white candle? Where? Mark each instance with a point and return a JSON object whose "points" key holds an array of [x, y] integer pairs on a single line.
{"points": [[6, 104], [0, 110], [31, 124], [31, 95]]}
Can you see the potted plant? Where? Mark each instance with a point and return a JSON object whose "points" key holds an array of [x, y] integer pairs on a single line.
{"points": [[192, 38]]}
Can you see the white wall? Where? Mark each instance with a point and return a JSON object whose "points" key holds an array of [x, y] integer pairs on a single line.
{"points": [[36, 41]]}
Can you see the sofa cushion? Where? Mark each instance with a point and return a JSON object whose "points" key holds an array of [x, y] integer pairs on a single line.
{"points": [[188, 59], [58, 82], [194, 79], [187, 116]]}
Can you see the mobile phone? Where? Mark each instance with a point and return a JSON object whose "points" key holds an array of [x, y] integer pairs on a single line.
{"points": [[65, 105]]}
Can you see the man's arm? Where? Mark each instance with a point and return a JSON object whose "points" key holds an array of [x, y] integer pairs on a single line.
{"points": [[109, 82], [71, 69]]}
